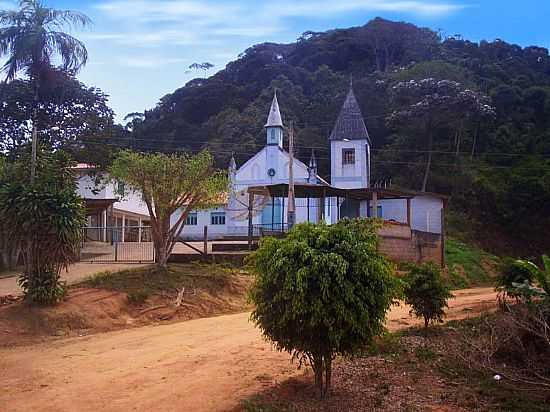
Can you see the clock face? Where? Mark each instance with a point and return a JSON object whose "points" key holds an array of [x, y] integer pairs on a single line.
{"points": [[271, 172]]}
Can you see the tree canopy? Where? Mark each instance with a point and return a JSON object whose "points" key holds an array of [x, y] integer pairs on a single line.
{"points": [[169, 183], [321, 291]]}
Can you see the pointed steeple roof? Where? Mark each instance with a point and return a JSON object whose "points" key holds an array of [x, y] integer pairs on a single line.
{"points": [[232, 163], [274, 118], [312, 160], [350, 123]]}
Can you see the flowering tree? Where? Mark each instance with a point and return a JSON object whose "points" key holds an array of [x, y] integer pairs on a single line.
{"points": [[429, 104]]}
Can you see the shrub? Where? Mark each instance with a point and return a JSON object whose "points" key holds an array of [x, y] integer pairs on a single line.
{"points": [[427, 293], [45, 219], [512, 272], [322, 291], [137, 298]]}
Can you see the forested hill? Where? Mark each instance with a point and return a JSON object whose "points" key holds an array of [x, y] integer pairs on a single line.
{"points": [[467, 119]]}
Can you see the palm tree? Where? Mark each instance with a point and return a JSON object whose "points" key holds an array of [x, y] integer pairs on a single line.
{"points": [[30, 38]]}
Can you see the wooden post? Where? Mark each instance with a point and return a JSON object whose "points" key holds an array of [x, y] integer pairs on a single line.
{"points": [[205, 240], [443, 237], [123, 227], [308, 208], [291, 218], [139, 229], [409, 212], [322, 205], [250, 228], [375, 203]]}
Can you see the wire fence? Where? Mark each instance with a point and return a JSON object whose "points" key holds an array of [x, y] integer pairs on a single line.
{"points": [[117, 244]]}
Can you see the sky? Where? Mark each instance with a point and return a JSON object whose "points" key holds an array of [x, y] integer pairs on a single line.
{"points": [[140, 50]]}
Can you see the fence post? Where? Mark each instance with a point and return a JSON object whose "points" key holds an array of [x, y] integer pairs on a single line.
{"points": [[205, 240], [116, 251]]}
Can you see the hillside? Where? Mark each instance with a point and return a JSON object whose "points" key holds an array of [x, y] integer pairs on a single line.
{"points": [[490, 155]]}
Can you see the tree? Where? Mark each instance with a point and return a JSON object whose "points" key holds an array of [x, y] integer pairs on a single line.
{"points": [[30, 38], [45, 219], [71, 116], [168, 183], [427, 293], [323, 290]]}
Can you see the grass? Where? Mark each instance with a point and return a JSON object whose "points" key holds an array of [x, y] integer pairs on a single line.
{"points": [[146, 281], [468, 265]]}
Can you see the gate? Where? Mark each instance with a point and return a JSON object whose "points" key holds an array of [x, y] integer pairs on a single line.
{"points": [[117, 244]]}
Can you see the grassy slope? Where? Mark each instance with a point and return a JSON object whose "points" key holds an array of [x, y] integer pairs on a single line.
{"points": [[150, 280], [468, 265]]}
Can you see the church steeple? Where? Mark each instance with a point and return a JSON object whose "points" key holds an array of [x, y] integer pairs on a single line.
{"points": [[312, 169], [274, 126], [350, 124]]}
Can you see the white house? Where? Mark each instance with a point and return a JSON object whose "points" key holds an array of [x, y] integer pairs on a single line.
{"points": [[110, 216], [350, 149]]}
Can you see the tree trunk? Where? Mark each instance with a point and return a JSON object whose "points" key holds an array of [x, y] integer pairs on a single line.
{"points": [[34, 142], [318, 370], [328, 373], [161, 240], [474, 142], [429, 162]]}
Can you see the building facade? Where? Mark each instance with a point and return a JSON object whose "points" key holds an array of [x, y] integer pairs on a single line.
{"points": [[350, 158]]}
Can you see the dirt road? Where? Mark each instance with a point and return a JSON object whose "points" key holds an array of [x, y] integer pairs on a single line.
{"points": [[201, 365]]}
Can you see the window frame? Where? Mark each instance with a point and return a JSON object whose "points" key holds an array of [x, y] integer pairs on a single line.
{"points": [[217, 218], [191, 219], [348, 153]]}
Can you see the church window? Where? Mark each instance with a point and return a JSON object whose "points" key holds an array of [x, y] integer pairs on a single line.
{"points": [[348, 156]]}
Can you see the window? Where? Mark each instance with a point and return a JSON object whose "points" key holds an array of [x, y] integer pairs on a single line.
{"points": [[348, 156], [191, 219], [120, 188], [217, 218]]}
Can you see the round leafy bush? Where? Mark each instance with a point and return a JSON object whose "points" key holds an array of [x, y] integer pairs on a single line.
{"points": [[322, 291], [427, 293]]}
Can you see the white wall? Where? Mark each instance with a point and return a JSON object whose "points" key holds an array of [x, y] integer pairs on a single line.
{"points": [[203, 219], [425, 212], [130, 202], [350, 176]]}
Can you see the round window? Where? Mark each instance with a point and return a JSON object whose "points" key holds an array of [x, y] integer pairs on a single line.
{"points": [[271, 172]]}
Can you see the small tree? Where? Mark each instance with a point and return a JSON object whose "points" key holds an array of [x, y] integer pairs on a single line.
{"points": [[322, 291], [45, 220], [427, 293], [167, 183]]}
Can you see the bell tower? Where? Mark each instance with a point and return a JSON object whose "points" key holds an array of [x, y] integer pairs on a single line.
{"points": [[350, 147], [274, 125]]}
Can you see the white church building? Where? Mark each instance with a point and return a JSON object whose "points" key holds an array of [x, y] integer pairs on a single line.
{"points": [[349, 193]]}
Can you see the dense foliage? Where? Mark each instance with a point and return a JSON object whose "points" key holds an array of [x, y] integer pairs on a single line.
{"points": [[69, 115], [322, 291], [167, 184], [427, 293], [44, 220], [491, 155]]}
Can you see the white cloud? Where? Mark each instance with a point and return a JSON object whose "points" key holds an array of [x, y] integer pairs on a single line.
{"points": [[148, 62], [323, 8]]}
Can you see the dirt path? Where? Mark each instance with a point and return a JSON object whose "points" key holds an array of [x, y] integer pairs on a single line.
{"points": [[76, 272], [200, 365]]}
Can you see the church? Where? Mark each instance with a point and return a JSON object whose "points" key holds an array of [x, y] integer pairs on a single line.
{"points": [[348, 194]]}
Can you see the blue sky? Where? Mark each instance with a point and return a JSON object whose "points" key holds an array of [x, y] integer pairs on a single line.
{"points": [[140, 50]]}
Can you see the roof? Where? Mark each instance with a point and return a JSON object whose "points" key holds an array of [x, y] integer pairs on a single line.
{"points": [[274, 117], [350, 124], [319, 191]]}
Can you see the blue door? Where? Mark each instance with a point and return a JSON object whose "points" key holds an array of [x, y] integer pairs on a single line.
{"points": [[272, 214]]}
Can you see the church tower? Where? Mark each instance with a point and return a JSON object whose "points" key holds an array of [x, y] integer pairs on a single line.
{"points": [[274, 126], [350, 147]]}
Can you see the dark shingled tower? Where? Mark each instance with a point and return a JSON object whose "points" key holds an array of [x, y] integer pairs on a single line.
{"points": [[350, 124]]}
